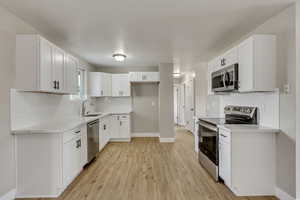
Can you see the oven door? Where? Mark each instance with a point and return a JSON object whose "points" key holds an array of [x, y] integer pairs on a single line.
{"points": [[208, 141]]}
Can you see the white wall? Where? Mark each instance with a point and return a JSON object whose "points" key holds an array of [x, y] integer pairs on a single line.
{"points": [[166, 101], [297, 23], [109, 104]]}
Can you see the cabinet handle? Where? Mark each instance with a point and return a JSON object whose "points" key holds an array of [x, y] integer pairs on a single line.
{"points": [[104, 127], [78, 143], [224, 136], [54, 83], [58, 85], [120, 123], [77, 132]]}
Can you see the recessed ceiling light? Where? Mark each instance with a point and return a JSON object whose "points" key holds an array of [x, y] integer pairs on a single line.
{"points": [[119, 57]]}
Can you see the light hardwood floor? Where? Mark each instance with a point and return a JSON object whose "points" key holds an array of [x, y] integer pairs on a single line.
{"points": [[148, 170]]}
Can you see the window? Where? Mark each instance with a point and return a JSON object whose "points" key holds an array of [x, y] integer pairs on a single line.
{"points": [[81, 80]]}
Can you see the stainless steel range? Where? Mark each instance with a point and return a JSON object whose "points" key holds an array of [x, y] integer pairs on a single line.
{"points": [[209, 134]]}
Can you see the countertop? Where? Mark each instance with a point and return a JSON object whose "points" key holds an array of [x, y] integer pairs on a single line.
{"points": [[248, 128], [62, 125]]}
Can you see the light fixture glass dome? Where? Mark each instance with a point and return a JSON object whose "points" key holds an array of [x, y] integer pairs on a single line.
{"points": [[119, 57]]}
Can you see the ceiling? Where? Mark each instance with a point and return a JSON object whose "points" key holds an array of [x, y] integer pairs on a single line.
{"points": [[149, 32]]}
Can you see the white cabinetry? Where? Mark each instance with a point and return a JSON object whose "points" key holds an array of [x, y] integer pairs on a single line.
{"points": [[120, 85], [104, 133], [225, 157], [246, 156], [99, 84], [72, 163], [257, 63], [120, 128], [40, 66], [229, 58], [144, 76], [70, 74], [48, 163]]}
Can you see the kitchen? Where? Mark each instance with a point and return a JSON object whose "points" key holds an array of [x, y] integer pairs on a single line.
{"points": [[81, 118]]}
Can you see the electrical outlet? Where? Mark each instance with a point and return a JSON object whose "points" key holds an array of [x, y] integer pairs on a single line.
{"points": [[287, 88]]}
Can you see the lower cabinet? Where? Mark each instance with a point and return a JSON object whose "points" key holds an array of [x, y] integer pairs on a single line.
{"points": [[247, 161], [225, 157], [120, 128], [104, 132], [48, 163], [72, 163]]}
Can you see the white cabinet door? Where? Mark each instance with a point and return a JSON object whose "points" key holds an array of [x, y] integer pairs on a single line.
{"points": [[149, 76], [70, 72], [58, 68], [230, 57], [225, 157], [124, 126], [94, 82], [120, 85], [245, 56], [71, 159], [134, 76], [45, 72], [106, 128], [115, 127], [106, 82]]}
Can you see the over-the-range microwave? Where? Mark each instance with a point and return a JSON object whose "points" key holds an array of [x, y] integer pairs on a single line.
{"points": [[226, 79]]}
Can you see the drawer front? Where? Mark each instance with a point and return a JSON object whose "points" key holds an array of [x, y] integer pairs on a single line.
{"points": [[71, 134], [224, 135]]}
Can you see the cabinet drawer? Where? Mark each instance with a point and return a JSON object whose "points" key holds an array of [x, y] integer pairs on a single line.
{"points": [[224, 135], [71, 134]]}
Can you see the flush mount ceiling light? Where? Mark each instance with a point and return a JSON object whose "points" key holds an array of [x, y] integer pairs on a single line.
{"points": [[119, 57], [176, 75]]}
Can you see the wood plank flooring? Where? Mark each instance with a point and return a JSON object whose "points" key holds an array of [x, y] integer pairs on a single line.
{"points": [[148, 170]]}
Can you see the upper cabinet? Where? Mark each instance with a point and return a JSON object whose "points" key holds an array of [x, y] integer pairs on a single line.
{"points": [[257, 63], [43, 67], [71, 74], [256, 58], [106, 85], [100, 84], [120, 85], [144, 76]]}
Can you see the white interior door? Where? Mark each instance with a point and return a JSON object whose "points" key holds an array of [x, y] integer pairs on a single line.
{"points": [[182, 105], [176, 113], [189, 105]]}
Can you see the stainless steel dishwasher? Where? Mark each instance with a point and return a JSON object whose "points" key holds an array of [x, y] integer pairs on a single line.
{"points": [[93, 139]]}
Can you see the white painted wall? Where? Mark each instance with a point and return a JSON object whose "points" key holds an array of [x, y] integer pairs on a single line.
{"points": [[166, 101], [297, 24], [109, 104]]}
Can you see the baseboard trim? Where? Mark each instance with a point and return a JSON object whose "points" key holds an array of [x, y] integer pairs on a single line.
{"points": [[137, 135], [120, 140], [11, 195], [282, 195], [166, 140]]}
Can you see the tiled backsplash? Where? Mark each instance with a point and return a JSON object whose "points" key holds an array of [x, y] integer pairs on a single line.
{"points": [[29, 108], [267, 103]]}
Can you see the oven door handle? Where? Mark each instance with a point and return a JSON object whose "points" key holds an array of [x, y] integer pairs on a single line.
{"points": [[208, 126]]}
